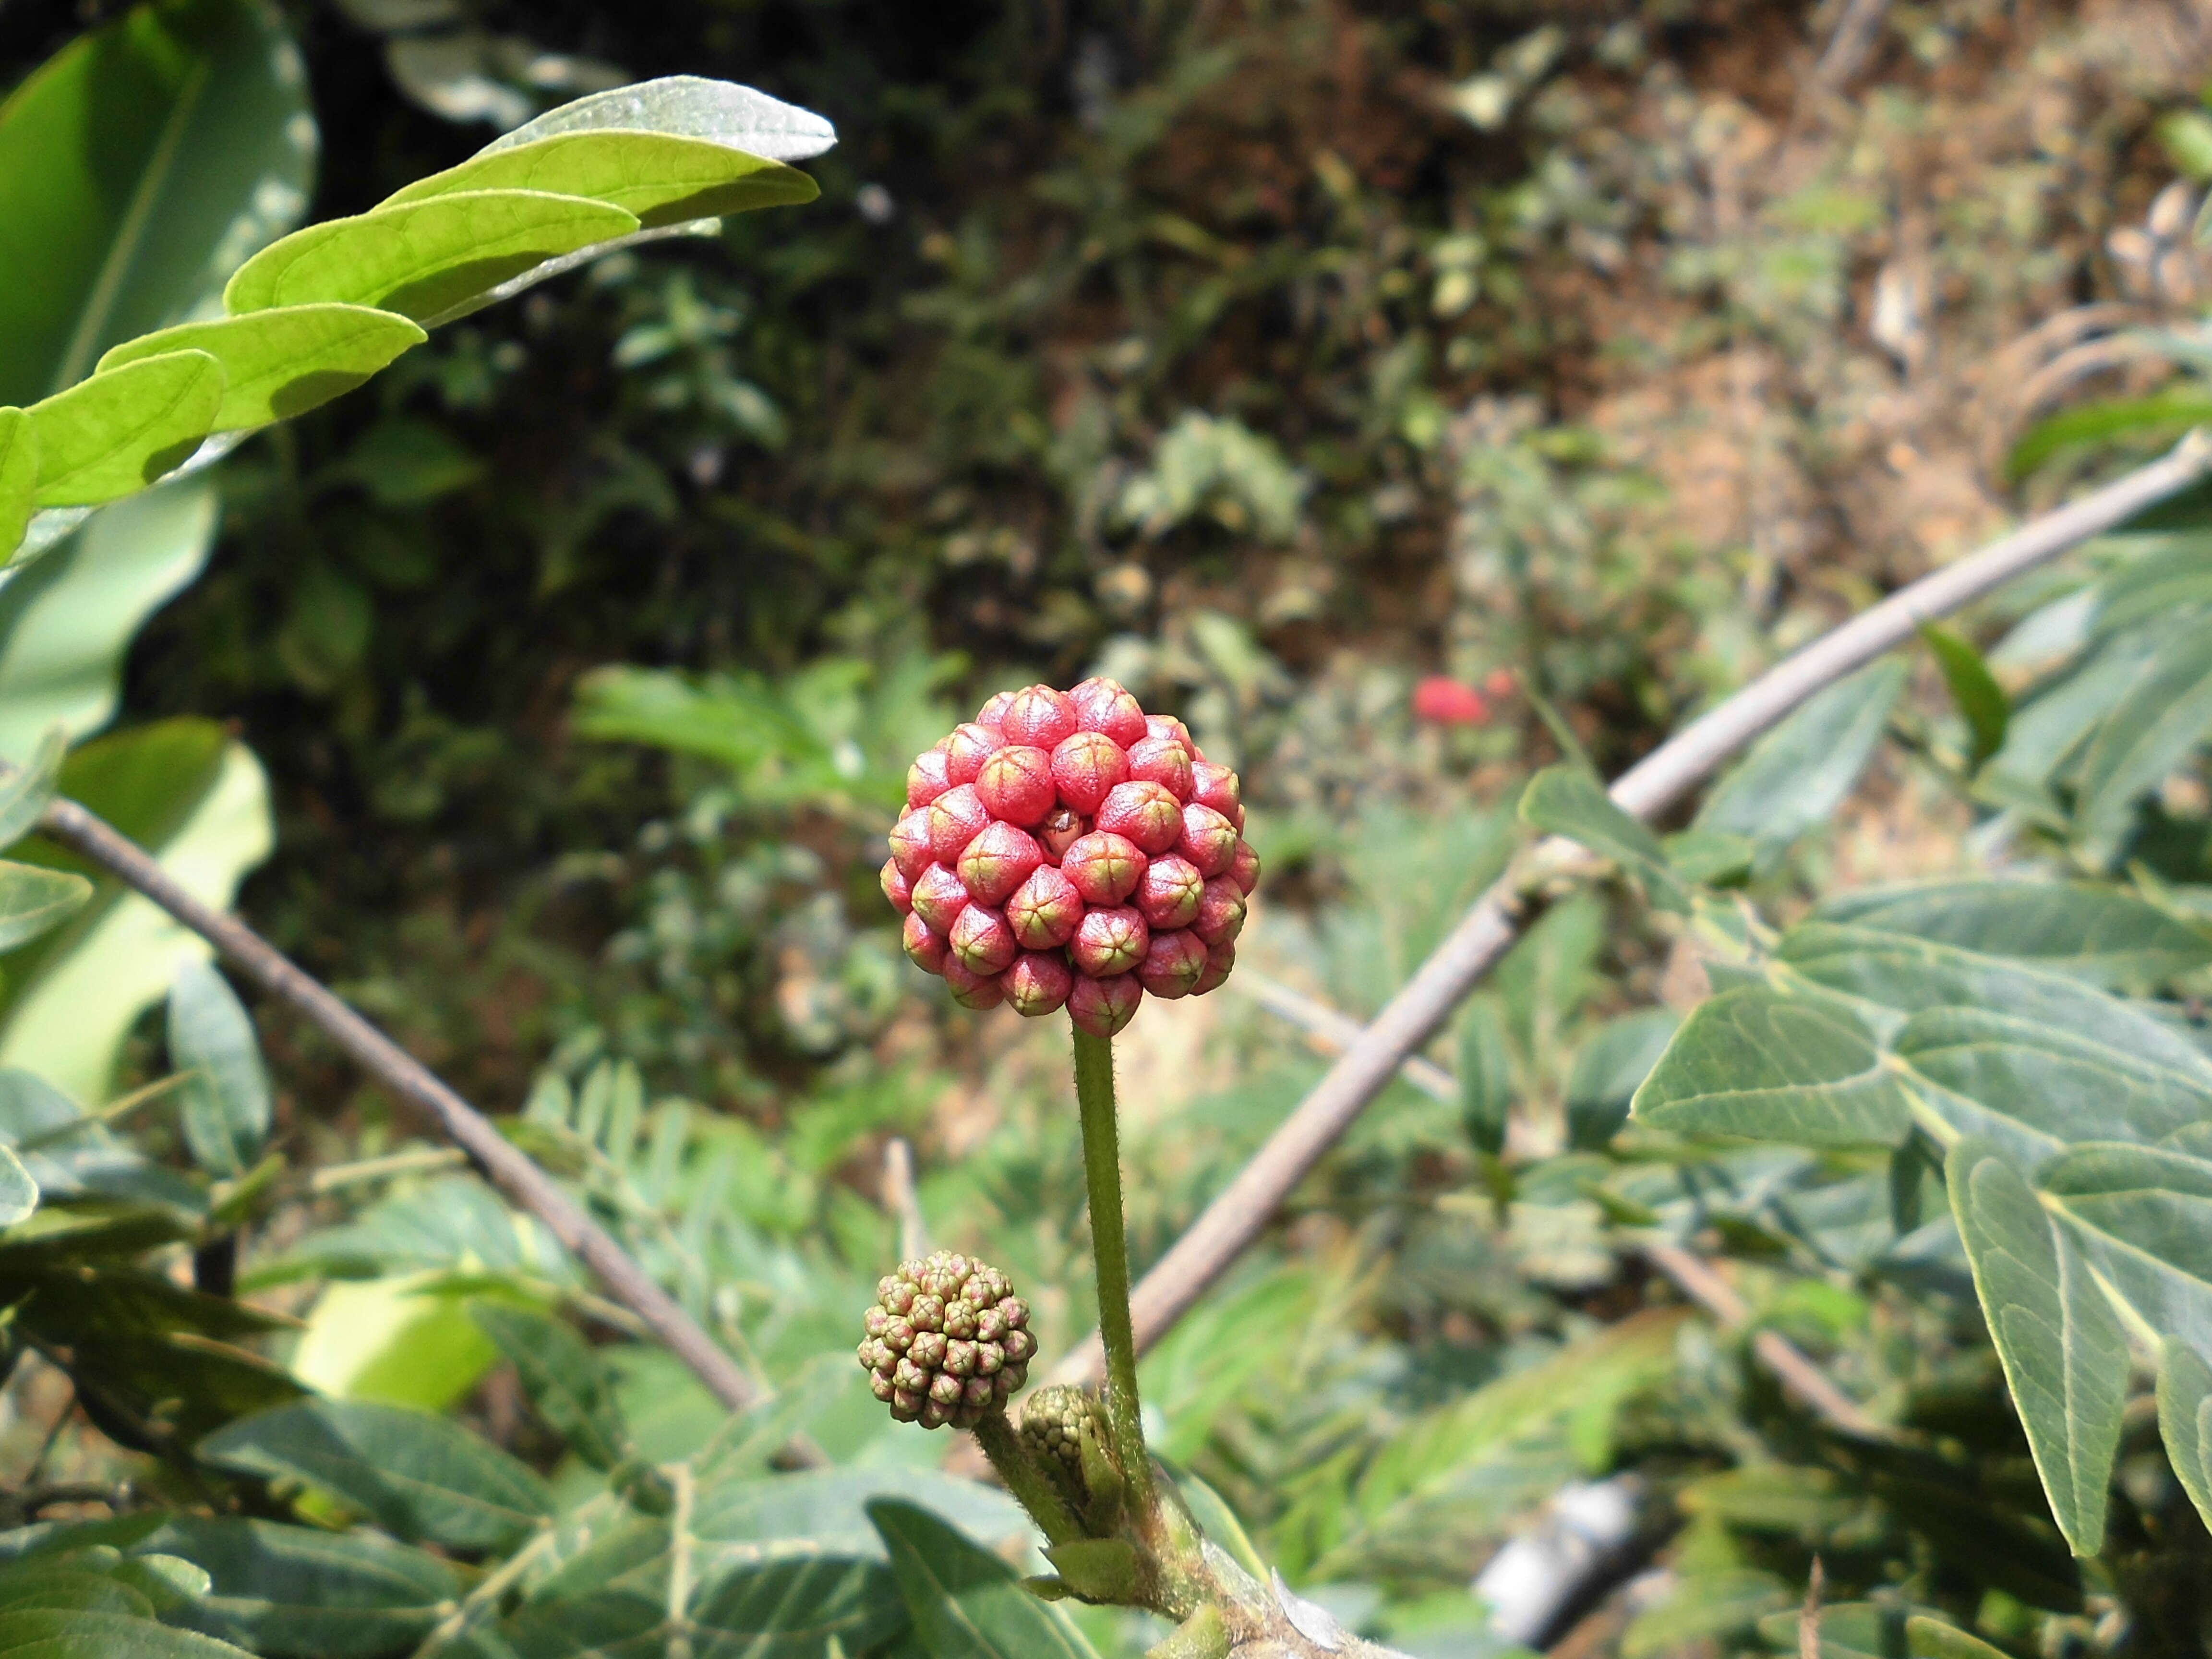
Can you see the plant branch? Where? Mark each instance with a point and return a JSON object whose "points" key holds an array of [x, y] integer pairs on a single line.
{"points": [[1236, 1218], [1109, 1249], [504, 1165]]}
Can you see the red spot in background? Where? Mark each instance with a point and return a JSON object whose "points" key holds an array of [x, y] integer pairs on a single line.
{"points": [[1446, 701], [1500, 684]]}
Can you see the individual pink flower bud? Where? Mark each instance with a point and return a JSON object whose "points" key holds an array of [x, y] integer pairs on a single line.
{"points": [[993, 713], [1147, 814], [1103, 705], [1104, 868], [1244, 868], [911, 847], [1174, 963], [1163, 761], [998, 861], [1220, 912], [956, 817], [926, 780], [1016, 783], [1039, 715], [1219, 959], [1169, 894], [1044, 909], [1217, 786], [967, 749], [939, 897], [925, 945], [981, 941], [971, 990], [1167, 726], [1104, 1007], [896, 888], [1038, 983], [1059, 831], [1208, 840], [1085, 767], [1107, 942]]}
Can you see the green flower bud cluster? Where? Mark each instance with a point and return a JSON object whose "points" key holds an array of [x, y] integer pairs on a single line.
{"points": [[948, 1341], [1064, 1429]]}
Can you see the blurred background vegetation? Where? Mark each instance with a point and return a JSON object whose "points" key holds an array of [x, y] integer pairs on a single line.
{"points": [[1272, 356]]}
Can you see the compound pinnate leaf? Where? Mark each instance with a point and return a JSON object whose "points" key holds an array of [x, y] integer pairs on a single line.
{"points": [[224, 1101], [965, 1603], [1565, 800], [115, 433], [2163, 714], [1756, 1063], [2185, 1419], [48, 1633], [2063, 1347], [423, 259], [663, 178], [564, 1378], [19, 478], [282, 362], [421, 1478], [690, 107], [32, 900], [2099, 934], [2143, 1214], [1799, 773]]}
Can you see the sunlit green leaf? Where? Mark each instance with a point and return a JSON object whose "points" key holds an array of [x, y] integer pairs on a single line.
{"points": [[27, 791], [1566, 800], [661, 178], [32, 900], [965, 1603], [115, 433], [282, 362], [420, 1477], [19, 478], [1799, 773], [19, 1193], [2063, 1349], [2185, 1419], [423, 258], [690, 107], [87, 1635], [224, 1102]]}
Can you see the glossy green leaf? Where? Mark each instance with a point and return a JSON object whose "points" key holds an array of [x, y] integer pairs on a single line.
{"points": [[663, 178], [2185, 1419], [965, 1603], [224, 1102], [2092, 931], [284, 362], [2063, 1349], [1753, 1062], [2165, 713], [423, 259], [66, 620], [1801, 772], [1980, 700], [115, 433], [87, 1635], [690, 107], [306, 1593], [19, 478], [1566, 800], [32, 900], [564, 1378], [420, 1477], [138, 166], [1485, 1075]]}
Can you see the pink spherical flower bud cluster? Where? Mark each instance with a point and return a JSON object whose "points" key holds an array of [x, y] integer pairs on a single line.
{"points": [[946, 1341], [1065, 849]]}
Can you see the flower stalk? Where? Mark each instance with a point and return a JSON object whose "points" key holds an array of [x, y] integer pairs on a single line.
{"points": [[1110, 1246]]}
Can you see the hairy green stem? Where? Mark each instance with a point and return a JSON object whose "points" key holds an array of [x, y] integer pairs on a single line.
{"points": [[1011, 1459], [1109, 1247]]}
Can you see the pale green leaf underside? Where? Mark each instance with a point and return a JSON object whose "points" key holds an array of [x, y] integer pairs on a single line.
{"points": [[1565, 800], [284, 362], [1800, 772], [663, 178], [422, 258], [115, 433], [2185, 1419], [225, 1101], [19, 1193], [964, 1600], [19, 478], [2164, 712], [33, 900], [24, 792], [2062, 1347]]}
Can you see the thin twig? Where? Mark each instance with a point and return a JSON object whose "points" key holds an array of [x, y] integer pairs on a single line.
{"points": [[506, 1166], [903, 1200], [1696, 1278], [1236, 1218]]}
